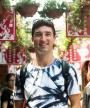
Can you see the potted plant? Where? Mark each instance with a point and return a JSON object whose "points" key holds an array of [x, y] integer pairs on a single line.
{"points": [[26, 8], [53, 9], [74, 16], [4, 7], [77, 19]]}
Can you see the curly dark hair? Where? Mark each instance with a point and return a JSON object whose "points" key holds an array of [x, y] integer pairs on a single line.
{"points": [[43, 22]]}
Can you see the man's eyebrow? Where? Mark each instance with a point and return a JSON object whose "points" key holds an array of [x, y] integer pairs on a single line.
{"points": [[38, 32], [44, 32]]}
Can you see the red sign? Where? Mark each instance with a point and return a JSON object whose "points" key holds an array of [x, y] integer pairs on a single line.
{"points": [[72, 54], [7, 26], [78, 53], [15, 56]]}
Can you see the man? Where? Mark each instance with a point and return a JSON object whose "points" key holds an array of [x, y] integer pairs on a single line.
{"points": [[44, 85]]}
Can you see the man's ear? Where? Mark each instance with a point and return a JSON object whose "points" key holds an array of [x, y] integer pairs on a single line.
{"points": [[32, 38], [55, 37]]}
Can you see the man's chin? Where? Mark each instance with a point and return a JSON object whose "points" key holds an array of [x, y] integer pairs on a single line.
{"points": [[43, 51]]}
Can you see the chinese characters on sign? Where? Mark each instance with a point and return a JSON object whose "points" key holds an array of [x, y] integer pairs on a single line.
{"points": [[72, 54], [13, 55], [77, 53], [7, 26]]}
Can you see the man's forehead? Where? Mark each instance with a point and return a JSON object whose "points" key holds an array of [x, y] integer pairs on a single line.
{"points": [[44, 28]]}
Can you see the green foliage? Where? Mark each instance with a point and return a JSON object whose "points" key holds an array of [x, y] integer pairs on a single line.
{"points": [[53, 4], [26, 2], [62, 41], [23, 3], [75, 18], [5, 4], [65, 6], [23, 38]]}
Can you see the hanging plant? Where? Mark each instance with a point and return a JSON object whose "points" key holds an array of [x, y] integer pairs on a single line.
{"points": [[26, 8], [4, 7], [75, 15], [53, 9], [5, 4]]}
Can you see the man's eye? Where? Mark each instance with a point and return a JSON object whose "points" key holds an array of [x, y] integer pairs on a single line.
{"points": [[48, 34], [37, 34]]}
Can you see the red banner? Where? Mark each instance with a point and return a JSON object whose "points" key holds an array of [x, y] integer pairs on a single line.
{"points": [[78, 53], [72, 54], [7, 26], [13, 55]]}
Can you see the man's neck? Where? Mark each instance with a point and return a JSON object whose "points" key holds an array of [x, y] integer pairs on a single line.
{"points": [[44, 60]]}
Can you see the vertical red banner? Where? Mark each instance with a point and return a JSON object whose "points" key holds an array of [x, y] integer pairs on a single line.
{"points": [[72, 54], [7, 26], [15, 56]]}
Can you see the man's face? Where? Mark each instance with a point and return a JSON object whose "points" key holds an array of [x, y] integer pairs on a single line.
{"points": [[11, 82], [43, 39]]}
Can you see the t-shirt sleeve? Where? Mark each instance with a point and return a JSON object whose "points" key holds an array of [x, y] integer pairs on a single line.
{"points": [[73, 85], [19, 92]]}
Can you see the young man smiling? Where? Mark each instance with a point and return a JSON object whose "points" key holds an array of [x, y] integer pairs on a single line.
{"points": [[44, 86]]}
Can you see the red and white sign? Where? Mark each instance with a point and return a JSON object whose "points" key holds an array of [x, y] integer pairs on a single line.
{"points": [[72, 54], [15, 56], [7, 26], [76, 53]]}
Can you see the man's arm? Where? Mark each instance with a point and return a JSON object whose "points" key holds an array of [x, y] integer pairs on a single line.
{"points": [[4, 104], [75, 101]]}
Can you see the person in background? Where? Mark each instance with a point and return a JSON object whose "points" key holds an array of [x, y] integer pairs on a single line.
{"points": [[44, 86], [86, 84], [7, 97], [0, 94], [84, 71]]}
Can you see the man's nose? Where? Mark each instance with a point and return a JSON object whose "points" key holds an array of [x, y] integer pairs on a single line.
{"points": [[43, 37]]}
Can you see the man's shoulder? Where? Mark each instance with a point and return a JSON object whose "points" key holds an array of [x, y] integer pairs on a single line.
{"points": [[61, 62], [26, 66]]}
